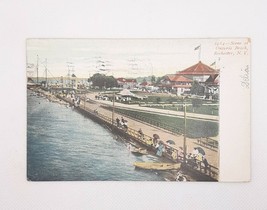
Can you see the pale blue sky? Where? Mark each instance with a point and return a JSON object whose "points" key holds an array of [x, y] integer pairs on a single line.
{"points": [[121, 57]]}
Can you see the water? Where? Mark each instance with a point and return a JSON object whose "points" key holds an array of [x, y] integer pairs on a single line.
{"points": [[64, 145]]}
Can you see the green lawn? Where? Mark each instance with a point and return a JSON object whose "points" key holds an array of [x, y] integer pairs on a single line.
{"points": [[175, 103], [195, 128], [164, 99], [204, 109]]}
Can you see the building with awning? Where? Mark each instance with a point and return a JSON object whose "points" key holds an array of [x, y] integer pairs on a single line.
{"points": [[126, 83], [128, 95], [176, 83], [207, 77], [199, 72], [126, 92]]}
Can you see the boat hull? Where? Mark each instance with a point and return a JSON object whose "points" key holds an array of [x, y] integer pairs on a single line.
{"points": [[139, 152], [157, 166]]}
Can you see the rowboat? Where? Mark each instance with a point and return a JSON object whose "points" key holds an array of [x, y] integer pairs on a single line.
{"points": [[139, 151], [157, 166]]}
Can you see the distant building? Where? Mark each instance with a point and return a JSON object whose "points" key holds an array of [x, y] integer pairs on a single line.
{"points": [[74, 81], [205, 75], [176, 83], [126, 83], [68, 82], [145, 84], [199, 72]]}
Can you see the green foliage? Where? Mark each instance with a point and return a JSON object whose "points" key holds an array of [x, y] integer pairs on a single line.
{"points": [[208, 110], [158, 99], [195, 128], [197, 89], [103, 81], [159, 79], [196, 102], [172, 99], [153, 79]]}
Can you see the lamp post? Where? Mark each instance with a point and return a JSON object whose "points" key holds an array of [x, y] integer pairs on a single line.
{"points": [[113, 107], [184, 133], [84, 100], [37, 66]]}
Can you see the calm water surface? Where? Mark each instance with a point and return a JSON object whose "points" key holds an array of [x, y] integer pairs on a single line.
{"points": [[64, 145]]}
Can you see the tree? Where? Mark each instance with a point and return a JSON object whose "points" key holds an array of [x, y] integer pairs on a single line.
{"points": [[159, 79], [102, 80], [197, 89], [111, 82], [153, 79]]}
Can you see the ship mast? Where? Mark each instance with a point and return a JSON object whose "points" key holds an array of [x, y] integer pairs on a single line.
{"points": [[37, 66]]}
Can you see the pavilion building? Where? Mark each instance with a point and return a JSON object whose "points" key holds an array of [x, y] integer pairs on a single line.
{"points": [[200, 72], [176, 83], [205, 75]]}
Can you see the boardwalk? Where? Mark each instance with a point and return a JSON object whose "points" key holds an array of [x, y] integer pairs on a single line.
{"points": [[211, 155]]}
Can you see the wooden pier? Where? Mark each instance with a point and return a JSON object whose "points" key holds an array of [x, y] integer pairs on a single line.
{"points": [[197, 170]]}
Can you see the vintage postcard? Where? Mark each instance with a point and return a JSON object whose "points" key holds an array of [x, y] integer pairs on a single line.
{"points": [[138, 109]]}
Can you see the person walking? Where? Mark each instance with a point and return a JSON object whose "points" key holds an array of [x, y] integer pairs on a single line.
{"points": [[118, 122]]}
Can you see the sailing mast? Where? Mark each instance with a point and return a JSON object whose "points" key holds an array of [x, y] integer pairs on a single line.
{"points": [[113, 108], [70, 69], [45, 64], [37, 66], [46, 72]]}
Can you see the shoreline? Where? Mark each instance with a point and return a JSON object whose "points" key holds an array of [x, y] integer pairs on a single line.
{"points": [[132, 136]]}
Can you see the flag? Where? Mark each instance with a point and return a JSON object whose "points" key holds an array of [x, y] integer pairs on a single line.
{"points": [[197, 47], [213, 63]]}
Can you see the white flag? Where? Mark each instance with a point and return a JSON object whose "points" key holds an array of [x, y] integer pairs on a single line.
{"points": [[197, 47], [213, 63]]}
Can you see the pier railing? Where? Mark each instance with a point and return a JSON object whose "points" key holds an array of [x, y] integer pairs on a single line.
{"points": [[139, 117], [170, 152], [208, 142]]}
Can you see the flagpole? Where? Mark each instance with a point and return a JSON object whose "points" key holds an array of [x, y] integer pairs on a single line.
{"points": [[199, 53]]}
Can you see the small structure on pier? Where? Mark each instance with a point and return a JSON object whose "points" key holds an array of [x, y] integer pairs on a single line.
{"points": [[128, 95]]}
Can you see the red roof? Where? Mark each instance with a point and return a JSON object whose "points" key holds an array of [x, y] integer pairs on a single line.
{"points": [[199, 69], [126, 80], [175, 86], [178, 78], [145, 83]]}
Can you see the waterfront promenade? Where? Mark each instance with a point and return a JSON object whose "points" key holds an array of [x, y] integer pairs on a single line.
{"points": [[211, 154]]}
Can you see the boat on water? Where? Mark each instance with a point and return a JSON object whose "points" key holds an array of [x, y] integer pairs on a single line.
{"points": [[157, 166], [139, 151]]}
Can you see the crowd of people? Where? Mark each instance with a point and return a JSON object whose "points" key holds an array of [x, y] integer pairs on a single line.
{"points": [[74, 99], [194, 159], [122, 123]]}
